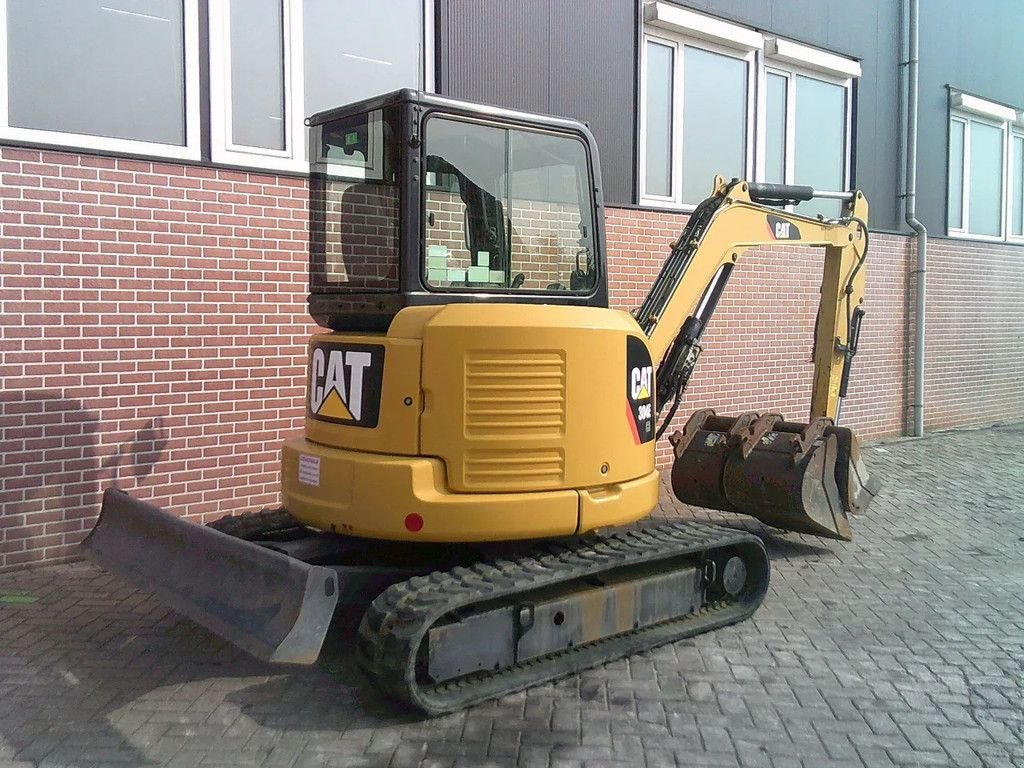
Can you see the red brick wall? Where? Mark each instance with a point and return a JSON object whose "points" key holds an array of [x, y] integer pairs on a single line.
{"points": [[974, 333], [153, 333], [153, 330]]}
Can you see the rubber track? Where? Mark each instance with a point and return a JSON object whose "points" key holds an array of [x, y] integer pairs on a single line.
{"points": [[395, 624]]}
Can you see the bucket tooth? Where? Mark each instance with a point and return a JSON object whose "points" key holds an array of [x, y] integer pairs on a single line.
{"points": [[275, 607]]}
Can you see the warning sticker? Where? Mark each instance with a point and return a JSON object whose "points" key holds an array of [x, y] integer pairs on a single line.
{"points": [[309, 469]]}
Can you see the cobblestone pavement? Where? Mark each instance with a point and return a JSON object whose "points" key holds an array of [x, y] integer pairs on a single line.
{"points": [[905, 647]]}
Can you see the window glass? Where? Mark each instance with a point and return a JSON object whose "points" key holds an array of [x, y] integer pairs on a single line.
{"points": [[509, 210], [820, 141], [353, 49], [714, 120], [658, 120], [550, 211], [257, 73], [1017, 201], [956, 175], [354, 199], [984, 207], [110, 68], [775, 129]]}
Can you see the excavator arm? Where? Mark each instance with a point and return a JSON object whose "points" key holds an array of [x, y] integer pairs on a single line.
{"points": [[799, 476], [736, 217]]}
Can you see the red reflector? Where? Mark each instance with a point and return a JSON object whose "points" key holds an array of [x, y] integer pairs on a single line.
{"points": [[413, 523]]}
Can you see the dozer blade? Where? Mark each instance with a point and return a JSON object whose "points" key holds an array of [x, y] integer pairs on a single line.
{"points": [[275, 607], [797, 477]]}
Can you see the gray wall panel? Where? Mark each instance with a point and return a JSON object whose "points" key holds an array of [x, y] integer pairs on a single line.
{"points": [[554, 56], [578, 58], [866, 30], [498, 52], [972, 46]]}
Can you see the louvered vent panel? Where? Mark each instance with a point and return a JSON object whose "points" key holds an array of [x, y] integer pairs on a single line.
{"points": [[515, 393], [514, 469]]}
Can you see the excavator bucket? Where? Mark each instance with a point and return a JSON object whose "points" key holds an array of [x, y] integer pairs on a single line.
{"points": [[798, 477], [275, 607]]}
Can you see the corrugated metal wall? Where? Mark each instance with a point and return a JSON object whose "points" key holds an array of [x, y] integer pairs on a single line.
{"points": [[565, 57], [867, 30], [975, 47], [578, 58]]}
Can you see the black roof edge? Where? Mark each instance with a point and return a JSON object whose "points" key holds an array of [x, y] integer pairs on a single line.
{"points": [[435, 101]]}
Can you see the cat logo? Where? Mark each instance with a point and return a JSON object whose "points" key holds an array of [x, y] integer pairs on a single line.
{"points": [[639, 390], [640, 382], [345, 382], [782, 229]]}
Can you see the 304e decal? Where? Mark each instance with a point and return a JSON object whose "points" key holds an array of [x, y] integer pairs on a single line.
{"points": [[639, 390], [345, 382]]}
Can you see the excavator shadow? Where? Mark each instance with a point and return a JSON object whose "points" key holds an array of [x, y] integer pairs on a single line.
{"points": [[146, 664], [781, 545]]}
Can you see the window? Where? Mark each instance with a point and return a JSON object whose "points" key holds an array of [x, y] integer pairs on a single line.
{"points": [[275, 62], [986, 169], [807, 134], [708, 135], [514, 213], [120, 75], [123, 76], [354, 204], [717, 98]]}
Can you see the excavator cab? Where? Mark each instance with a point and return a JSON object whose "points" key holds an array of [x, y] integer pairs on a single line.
{"points": [[416, 199]]}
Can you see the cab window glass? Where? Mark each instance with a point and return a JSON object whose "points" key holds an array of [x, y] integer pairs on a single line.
{"points": [[506, 209]]}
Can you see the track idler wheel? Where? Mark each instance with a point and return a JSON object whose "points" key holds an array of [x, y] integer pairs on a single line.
{"points": [[798, 477]]}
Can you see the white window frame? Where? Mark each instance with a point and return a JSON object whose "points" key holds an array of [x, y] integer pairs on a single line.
{"points": [[294, 157], [676, 172], [677, 27], [666, 34], [968, 109], [1016, 132], [191, 150], [222, 148], [963, 120], [791, 72], [789, 134]]}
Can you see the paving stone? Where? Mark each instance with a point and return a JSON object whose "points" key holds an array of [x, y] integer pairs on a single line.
{"points": [[904, 647]]}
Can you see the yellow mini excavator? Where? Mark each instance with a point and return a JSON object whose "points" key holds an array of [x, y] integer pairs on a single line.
{"points": [[477, 417]]}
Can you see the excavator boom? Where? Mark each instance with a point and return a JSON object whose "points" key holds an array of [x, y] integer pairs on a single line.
{"points": [[803, 477]]}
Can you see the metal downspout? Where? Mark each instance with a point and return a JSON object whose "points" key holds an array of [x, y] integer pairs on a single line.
{"points": [[910, 199]]}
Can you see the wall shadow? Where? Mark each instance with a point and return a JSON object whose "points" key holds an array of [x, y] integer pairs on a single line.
{"points": [[52, 473], [51, 480]]}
